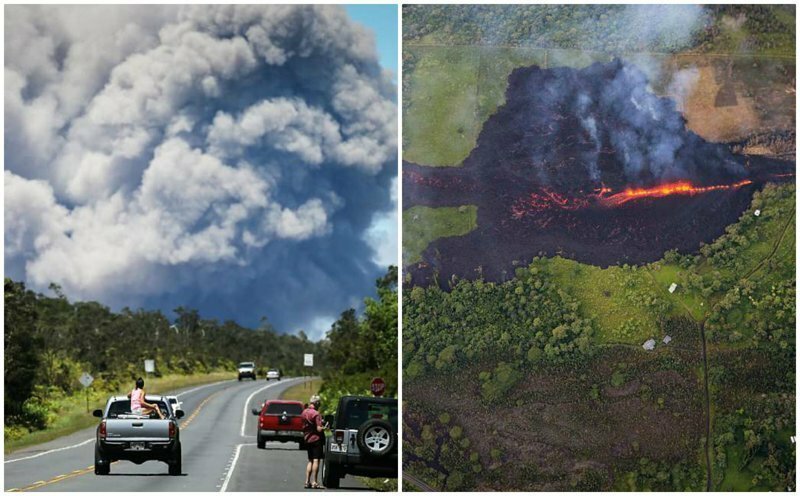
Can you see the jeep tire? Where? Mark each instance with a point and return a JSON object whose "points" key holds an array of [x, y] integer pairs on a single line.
{"points": [[376, 438], [261, 442], [330, 475]]}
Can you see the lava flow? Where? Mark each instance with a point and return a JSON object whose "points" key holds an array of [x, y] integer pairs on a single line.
{"points": [[554, 169], [668, 189]]}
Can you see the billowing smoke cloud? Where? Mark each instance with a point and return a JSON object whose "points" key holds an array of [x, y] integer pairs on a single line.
{"points": [[616, 111], [230, 158]]}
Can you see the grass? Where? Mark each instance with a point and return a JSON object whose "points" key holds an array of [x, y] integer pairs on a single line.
{"points": [[303, 391], [607, 297], [664, 274], [423, 225], [380, 484], [72, 415], [453, 90], [440, 126]]}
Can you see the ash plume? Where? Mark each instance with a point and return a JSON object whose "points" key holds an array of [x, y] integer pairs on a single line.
{"points": [[228, 158], [602, 119]]}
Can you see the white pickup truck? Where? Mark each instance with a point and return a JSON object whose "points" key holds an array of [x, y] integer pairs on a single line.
{"points": [[122, 435]]}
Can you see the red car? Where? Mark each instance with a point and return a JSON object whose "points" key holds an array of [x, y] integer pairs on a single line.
{"points": [[279, 420]]}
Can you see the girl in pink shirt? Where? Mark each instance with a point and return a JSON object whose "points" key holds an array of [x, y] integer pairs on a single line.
{"points": [[138, 404]]}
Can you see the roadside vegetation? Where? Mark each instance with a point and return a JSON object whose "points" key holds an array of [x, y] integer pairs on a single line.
{"points": [[68, 413], [360, 348], [585, 326], [50, 341], [302, 392]]}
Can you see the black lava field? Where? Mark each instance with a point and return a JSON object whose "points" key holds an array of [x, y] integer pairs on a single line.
{"points": [[588, 164]]}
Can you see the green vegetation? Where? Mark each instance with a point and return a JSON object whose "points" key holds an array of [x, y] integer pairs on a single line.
{"points": [[527, 320], [54, 340], [302, 392], [50, 341], [360, 349], [747, 28], [68, 413], [440, 121], [423, 225], [442, 445], [557, 317], [623, 301]]}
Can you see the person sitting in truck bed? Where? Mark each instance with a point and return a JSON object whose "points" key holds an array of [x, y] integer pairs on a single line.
{"points": [[138, 405]]}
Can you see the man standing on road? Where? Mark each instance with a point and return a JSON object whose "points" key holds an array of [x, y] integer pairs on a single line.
{"points": [[314, 438]]}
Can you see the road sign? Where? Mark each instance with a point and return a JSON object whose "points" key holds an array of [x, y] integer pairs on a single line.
{"points": [[149, 366], [86, 379], [378, 386], [308, 360]]}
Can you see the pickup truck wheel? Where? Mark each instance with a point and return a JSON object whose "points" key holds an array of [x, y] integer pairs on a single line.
{"points": [[330, 475], [262, 443], [175, 463], [102, 466], [375, 437]]}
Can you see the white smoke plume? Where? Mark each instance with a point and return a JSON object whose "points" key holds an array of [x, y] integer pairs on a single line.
{"points": [[150, 149]]}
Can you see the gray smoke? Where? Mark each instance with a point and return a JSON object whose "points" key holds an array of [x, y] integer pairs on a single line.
{"points": [[151, 149]]}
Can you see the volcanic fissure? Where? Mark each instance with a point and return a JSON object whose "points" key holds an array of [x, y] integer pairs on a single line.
{"points": [[588, 164]]}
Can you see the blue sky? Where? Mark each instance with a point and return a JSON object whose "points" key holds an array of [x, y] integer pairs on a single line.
{"points": [[382, 19]]}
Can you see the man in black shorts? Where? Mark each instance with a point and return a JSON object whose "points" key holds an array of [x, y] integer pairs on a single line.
{"points": [[314, 438]]}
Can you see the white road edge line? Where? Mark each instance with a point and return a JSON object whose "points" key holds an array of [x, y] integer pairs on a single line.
{"points": [[249, 398], [229, 475], [37, 455]]}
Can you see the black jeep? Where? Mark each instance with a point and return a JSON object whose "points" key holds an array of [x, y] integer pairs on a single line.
{"points": [[364, 440]]}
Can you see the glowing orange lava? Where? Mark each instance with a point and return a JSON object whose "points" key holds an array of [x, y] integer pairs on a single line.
{"points": [[668, 189]]}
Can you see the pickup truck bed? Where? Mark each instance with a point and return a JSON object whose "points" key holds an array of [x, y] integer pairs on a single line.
{"points": [[137, 438]]}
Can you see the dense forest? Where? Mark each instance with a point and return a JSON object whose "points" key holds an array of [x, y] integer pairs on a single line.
{"points": [[50, 341], [591, 27], [359, 349]]}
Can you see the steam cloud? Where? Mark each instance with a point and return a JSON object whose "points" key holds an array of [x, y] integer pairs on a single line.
{"points": [[231, 158], [601, 108]]}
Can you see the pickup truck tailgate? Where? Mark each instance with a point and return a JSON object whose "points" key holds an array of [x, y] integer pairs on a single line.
{"points": [[281, 423], [137, 429]]}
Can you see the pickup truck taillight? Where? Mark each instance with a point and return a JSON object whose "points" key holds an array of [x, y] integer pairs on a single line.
{"points": [[103, 429], [338, 436], [171, 429]]}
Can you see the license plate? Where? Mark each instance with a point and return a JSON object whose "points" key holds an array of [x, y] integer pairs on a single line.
{"points": [[284, 433], [137, 446], [339, 448]]}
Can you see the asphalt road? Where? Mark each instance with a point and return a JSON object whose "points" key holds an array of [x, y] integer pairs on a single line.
{"points": [[218, 447]]}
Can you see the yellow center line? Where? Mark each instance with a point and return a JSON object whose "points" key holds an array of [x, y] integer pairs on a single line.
{"points": [[90, 468]]}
